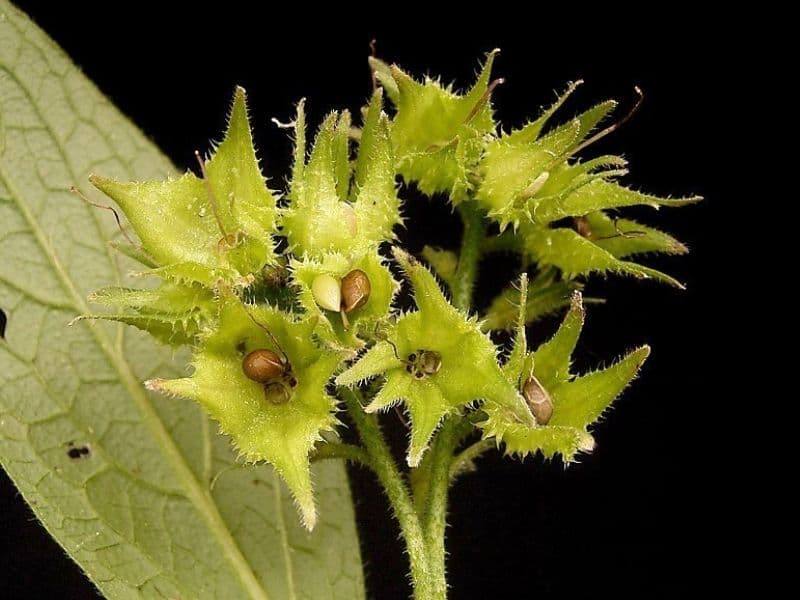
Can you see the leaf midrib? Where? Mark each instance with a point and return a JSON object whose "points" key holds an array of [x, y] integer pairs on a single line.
{"points": [[199, 497]]}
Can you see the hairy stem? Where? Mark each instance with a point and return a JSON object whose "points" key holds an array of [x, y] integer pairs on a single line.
{"points": [[462, 462], [335, 450], [471, 241], [435, 512], [390, 478], [455, 427], [423, 517]]}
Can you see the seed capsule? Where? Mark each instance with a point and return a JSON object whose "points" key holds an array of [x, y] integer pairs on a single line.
{"points": [[326, 291], [355, 290], [538, 400], [276, 393], [263, 365]]}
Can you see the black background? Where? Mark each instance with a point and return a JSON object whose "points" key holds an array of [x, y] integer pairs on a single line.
{"points": [[632, 518]]}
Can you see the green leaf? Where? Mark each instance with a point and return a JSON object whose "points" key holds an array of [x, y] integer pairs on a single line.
{"points": [[138, 512], [467, 368]]}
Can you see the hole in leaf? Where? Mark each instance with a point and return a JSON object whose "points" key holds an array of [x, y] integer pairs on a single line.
{"points": [[3, 321], [78, 452]]}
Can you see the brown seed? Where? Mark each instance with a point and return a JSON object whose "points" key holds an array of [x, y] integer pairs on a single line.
{"points": [[355, 290], [583, 227], [430, 362], [538, 400], [276, 393], [263, 365]]}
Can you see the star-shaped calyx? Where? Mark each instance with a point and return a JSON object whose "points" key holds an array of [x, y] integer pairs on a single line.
{"points": [[564, 405], [437, 361], [260, 375], [438, 134], [532, 179], [336, 206], [203, 230]]}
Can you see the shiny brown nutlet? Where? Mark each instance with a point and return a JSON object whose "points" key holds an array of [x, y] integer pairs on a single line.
{"points": [[429, 361], [355, 290], [583, 227], [538, 400], [263, 365], [276, 393]]}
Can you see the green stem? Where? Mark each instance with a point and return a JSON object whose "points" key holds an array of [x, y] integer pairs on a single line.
{"points": [[423, 517], [471, 241], [333, 450], [434, 515], [462, 462], [384, 467], [435, 512]]}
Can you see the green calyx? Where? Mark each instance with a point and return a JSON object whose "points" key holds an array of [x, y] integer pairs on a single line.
{"points": [[220, 226], [280, 421], [336, 206], [577, 402], [360, 323], [531, 178], [437, 133], [436, 361]]}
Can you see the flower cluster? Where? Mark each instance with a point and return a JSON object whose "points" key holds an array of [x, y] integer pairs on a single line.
{"points": [[283, 296]]}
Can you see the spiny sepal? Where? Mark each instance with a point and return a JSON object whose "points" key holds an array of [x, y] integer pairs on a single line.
{"points": [[546, 295], [443, 262], [327, 213], [623, 237], [577, 402], [223, 223], [527, 176], [435, 360], [283, 434], [575, 255], [438, 134], [172, 313]]}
